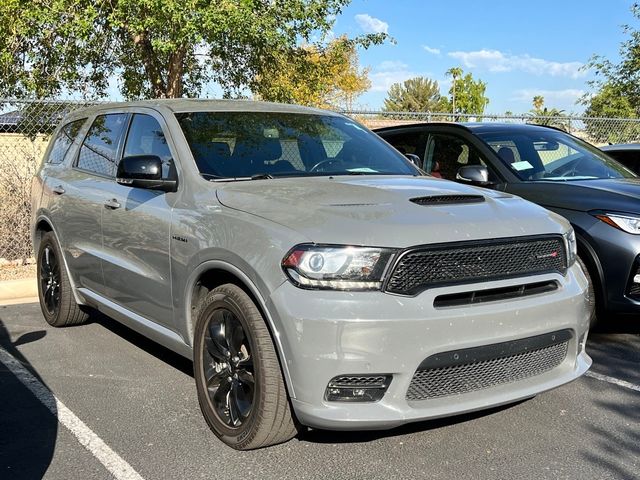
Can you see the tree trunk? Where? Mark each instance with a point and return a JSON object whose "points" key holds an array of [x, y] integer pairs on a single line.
{"points": [[150, 65], [176, 70]]}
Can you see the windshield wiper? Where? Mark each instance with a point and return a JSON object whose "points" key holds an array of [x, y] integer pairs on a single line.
{"points": [[211, 176], [261, 176]]}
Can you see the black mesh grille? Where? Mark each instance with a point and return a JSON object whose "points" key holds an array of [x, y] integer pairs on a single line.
{"points": [[448, 199], [458, 379], [359, 381], [424, 267]]}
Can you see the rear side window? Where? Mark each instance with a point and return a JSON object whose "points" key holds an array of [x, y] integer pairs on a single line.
{"points": [[99, 150], [63, 141]]}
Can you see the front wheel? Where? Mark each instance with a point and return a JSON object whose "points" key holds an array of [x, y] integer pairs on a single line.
{"points": [[240, 387]]}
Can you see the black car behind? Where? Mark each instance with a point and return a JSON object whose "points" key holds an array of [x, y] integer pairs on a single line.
{"points": [[599, 196]]}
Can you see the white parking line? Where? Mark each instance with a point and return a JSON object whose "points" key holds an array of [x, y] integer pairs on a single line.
{"points": [[614, 381], [118, 467]]}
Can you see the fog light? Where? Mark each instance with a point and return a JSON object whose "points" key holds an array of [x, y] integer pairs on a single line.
{"points": [[357, 388]]}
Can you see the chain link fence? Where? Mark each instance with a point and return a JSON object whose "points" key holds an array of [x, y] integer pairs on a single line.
{"points": [[598, 131], [26, 126]]}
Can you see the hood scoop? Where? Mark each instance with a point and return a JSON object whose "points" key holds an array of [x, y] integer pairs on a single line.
{"points": [[447, 199]]}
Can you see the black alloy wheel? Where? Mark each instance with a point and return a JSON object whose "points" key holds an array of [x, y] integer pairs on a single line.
{"points": [[228, 368]]}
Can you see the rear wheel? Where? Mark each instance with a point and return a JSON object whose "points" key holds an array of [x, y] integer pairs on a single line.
{"points": [[238, 379], [54, 290]]}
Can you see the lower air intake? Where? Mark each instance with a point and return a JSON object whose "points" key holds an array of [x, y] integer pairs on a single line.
{"points": [[464, 371]]}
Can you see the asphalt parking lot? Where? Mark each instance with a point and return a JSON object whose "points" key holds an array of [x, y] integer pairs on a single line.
{"points": [[124, 405]]}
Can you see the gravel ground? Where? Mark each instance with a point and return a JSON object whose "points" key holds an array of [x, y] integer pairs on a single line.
{"points": [[15, 272]]}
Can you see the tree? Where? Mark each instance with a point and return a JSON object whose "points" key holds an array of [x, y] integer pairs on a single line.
{"points": [[608, 103], [538, 102], [156, 48], [315, 75], [455, 73], [417, 94], [623, 78], [542, 115], [468, 94]]}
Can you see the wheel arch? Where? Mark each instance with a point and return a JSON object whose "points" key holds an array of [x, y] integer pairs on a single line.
{"points": [[211, 274], [590, 258], [42, 226]]}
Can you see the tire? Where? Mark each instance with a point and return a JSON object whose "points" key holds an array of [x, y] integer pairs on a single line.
{"points": [[54, 290], [246, 404], [591, 292]]}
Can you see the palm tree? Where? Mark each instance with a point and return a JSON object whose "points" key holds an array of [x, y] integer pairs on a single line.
{"points": [[454, 72], [538, 102]]}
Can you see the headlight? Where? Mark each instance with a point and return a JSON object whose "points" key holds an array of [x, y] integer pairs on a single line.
{"points": [[628, 223], [337, 267], [572, 246]]}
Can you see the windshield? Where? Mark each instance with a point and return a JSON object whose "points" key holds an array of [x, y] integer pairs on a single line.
{"points": [[228, 145], [552, 155]]}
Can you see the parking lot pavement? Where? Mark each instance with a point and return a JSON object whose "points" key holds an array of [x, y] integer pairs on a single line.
{"points": [[139, 400]]}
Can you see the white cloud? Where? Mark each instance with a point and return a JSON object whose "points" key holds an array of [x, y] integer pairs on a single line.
{"points": [[497, 61], [550, 96], [392, 65], [371, 24], [392, 71], [434, 51]]}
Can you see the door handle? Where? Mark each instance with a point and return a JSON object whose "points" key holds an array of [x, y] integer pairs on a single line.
{"points": [[112, 204], [58, 190]]}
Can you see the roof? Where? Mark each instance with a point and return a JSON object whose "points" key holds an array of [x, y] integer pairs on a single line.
{"points": [[203, 105], [475, 127], [621, 146]]}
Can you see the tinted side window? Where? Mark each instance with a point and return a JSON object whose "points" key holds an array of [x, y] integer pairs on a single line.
{"points": [[100, 148], [448, 153], [64, 140], [147, 138], [407, 142]]}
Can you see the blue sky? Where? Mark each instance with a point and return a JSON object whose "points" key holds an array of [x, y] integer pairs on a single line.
{"points": [[520, 49]]}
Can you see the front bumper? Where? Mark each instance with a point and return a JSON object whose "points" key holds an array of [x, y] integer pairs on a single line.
{"points": [[323, 334]]}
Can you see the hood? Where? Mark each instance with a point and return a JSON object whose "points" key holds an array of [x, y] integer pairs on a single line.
{"points": [[615, 194], [379, 211]]}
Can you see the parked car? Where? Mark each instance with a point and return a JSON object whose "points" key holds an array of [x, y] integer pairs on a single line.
{"points": [[313, 275], [562, 173], [627, 154]]}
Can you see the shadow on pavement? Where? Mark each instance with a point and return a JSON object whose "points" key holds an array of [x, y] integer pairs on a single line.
{"points": [[28, 430], [617, 449], [176, 360]]}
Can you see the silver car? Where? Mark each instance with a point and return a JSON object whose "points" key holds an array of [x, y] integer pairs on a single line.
{"points": [[312, 273]]}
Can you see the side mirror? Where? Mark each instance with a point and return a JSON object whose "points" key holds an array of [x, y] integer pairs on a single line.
{"points": [[144, 171], [474, 175], [415, 159]]}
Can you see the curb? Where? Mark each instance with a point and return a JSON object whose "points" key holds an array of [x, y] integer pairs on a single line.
{"points": [[18, 289]]}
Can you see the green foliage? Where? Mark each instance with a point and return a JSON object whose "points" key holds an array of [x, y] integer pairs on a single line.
{"points": [[157, 48], [552, 117], [315, 75], [621, 78], [467, 94], [417, 94], [609, 102]]}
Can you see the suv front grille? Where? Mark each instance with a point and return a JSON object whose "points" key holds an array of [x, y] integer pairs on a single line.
{"points": [[464, 371], [445, 264]]}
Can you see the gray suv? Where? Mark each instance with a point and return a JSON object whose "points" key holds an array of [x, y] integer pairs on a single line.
{"points": [[312, 273]]}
